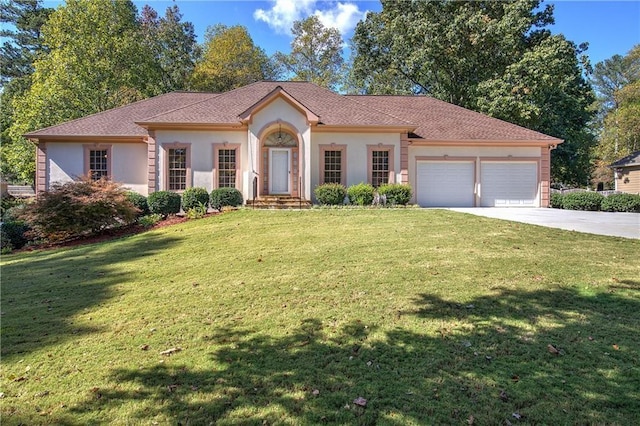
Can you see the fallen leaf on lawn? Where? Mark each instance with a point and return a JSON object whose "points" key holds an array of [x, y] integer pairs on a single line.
{"points": [[503, 395], [616, 347], [516, 416], [590, 338], [171, 388], [552, 349], [515, 378], [316, 392], [470, 420], [144, 347], [20, 379], [170, 351], [360, 401]]}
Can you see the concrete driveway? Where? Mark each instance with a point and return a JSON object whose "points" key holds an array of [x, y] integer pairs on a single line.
{"points": [[625, 225]]}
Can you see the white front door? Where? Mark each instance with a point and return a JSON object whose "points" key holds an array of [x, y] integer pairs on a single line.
{"points": [[279, 163]]}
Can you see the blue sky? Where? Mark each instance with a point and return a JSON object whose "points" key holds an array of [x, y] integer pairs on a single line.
{"points": [[610, 27]]}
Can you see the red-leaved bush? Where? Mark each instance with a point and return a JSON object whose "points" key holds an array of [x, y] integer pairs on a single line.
{"points": [[79, 208]]}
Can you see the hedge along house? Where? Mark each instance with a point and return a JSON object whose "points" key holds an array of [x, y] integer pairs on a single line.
{"points": [[282, 139]]}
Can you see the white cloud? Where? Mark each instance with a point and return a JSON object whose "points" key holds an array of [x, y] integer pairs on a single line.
{"points": [[343, 17], [280, 17]]}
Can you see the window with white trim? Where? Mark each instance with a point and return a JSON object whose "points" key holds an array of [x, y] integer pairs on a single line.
{"points": [[177, 169], [97, 161], [227, 168], [379, 168], [333, 164]]}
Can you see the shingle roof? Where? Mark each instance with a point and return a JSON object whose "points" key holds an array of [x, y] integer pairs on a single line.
{"points": [[425, 117], [442, 121], [628, 161], [121, 121], [331, 108]]}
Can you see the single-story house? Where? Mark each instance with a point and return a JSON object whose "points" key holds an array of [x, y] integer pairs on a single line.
{"points": [[627, 173], [284, 138]]}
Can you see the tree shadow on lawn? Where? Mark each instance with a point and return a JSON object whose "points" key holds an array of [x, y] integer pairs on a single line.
{"points": [[488, 362], [42, 291]]}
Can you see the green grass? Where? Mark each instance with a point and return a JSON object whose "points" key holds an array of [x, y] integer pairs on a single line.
{"points": [[285, 318]]}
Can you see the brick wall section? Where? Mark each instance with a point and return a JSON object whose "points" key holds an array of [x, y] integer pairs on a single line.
{"points": [[545, 176], [404, 158], [152, 151], [41, 167]]}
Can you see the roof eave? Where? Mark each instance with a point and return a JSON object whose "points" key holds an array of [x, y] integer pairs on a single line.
{"points": [[37, 138], [551, 143], [190, 126], [363, 128]]}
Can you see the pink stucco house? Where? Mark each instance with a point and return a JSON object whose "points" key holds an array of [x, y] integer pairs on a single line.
{"points": [[286, 138]]}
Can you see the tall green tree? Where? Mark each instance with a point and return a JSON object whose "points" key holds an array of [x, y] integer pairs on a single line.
{"points": [[96, 60], [617, 82], [174, 46], [230, 59], [316, 54], [495, 57], [22, 21]]}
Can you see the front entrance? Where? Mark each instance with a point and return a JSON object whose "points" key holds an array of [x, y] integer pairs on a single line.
{"points": [[279, 171]]}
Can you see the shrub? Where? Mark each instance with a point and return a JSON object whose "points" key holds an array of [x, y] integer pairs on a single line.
{"points": [[621, 203], [149, 220], [7, 202], [557, 199], [225, 197], [140, 201], [361, 194], [13, 235], [194, 197], [396, 193], [197, 212], [79, 208], [164, 202], [587, 200], [331, 194]]}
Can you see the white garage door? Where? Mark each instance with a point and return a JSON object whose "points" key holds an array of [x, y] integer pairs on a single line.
{"points": [[445, 183], [504, 184]]}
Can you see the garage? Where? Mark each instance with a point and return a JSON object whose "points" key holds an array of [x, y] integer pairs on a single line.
{"points": [[509, 184], [445, 183]]}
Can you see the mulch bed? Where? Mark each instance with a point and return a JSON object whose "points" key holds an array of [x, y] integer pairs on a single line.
{"points": [[107, 235]]}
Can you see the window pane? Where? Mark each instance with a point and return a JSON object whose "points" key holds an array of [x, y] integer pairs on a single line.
{"points": [[333, 167], [226, 168], [380, 168], [98, 163], [177, 169]]}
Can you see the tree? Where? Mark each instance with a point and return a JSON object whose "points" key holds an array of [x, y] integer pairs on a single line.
{"points": [[494, 57], [18, 53], [316, 54], [230, 60], [96, 60], [617, 81], [23, 32], [546, 91], [174, 47]]}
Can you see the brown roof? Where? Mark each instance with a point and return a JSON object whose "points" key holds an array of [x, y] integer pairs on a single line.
{"points": [[121, 121], [331, 108], [442, 121], [423, 116]]}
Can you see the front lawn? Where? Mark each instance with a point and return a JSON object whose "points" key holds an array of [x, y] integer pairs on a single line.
{"points": [[287, 317]]}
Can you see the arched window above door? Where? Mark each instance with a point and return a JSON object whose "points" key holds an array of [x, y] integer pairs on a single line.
{"points": [[280, 138]]}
